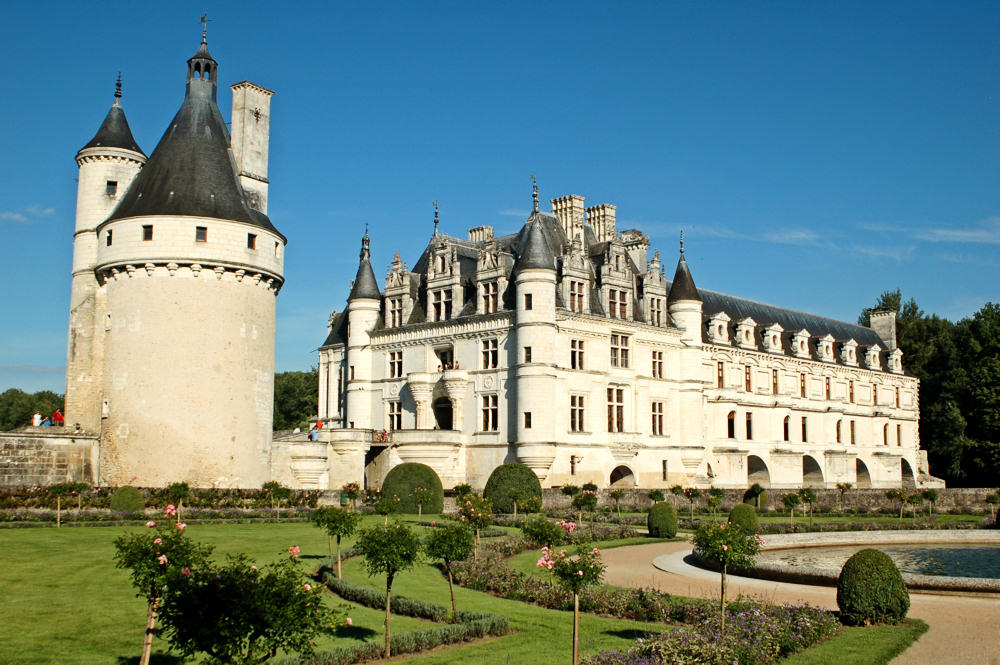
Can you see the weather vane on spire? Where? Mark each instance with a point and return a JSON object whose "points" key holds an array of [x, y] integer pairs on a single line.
{"points": [[118, 86], [365, 245], [435, 218], [204, 27], [682, 242], [534, 192]]}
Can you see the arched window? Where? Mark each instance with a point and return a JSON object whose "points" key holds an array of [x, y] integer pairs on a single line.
{"points": [[208, 72], [731, 424], [838, 431], [787, 420], [885, 435]]}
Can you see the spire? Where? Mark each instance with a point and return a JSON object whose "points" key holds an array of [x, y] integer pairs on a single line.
{"points": [[203, 70], [534, 193], [682, 288], [365, 285], [435, 218], [114, 131], [682, 243]]}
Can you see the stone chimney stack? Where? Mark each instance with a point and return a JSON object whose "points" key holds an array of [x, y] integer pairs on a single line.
{"points": [[602, 219], [249, 139], [883, 321], [570, 213], [481, 233]]}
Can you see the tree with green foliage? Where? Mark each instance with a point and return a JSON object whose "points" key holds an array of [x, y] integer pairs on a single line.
{"points": [[898, 496], [930, 496], [59, 490], [714, 499], [177, 493], [151, 556], [656, 496], [914, 500], [586, 500], [574, 573], [807, 497], [423, 497], [510, 484], [477, 513], [243, 614], [744, 516], [17, 406], [351, 491], [539, 531], [676, 491], [870, 590], [275, 493], [843, 488], [661, 520], [617, 495], [727, 546], [403, 481], [461, 490], [692, 494], [296, 395], [78, 489], [570, 490], [388, 550], [791, 500], [338, 523], [385, 505], [450, 543]]}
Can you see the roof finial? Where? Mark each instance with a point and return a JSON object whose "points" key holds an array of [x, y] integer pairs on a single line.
{"points": [[682, 242], [534, 193], [365, 245], [435, 218], [204, 27], [118, 86]]}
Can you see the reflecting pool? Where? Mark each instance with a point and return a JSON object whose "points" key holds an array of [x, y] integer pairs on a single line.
{"points": [[949, 560]]}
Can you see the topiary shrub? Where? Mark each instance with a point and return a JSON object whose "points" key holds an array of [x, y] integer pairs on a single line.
{"points": [[662, 520], [871, 590], [744, 516], [128, 499], [404, 480], [510, 482]]}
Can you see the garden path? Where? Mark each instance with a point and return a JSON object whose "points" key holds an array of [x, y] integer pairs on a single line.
{"points": [[963, 629]]}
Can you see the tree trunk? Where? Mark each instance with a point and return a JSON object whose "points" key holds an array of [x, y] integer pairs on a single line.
{"points": [[451, 588], [147, 638], [792, 517], [58, 511], [576, 628], [722, 606], [388, 589], [475, 547], [515, 511], [79, 501], [420, 511], [338, 556]]}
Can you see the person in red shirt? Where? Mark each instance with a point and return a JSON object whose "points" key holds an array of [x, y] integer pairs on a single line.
{"points": [[57, 418]]}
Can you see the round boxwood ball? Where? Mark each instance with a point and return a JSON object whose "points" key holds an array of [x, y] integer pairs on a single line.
{"points": [[510, 482], [402, 481], [128, 499], [662, 520], [744, 516], [871, 590]]}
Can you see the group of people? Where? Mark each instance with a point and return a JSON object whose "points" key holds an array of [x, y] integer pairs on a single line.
{"points": [[55, 420], [314, 430], [448, 365]]}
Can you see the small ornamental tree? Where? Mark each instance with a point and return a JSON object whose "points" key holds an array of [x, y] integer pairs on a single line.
{"points": [[676, 491], [574, 573], [539, 531], [992, 500], [714, 500], [898, 496], [591, 487], [476, 513], [177, 493], [450, 543], [843, 488], [931, 497], [753, 494], [462, 490], [239, 613], [870, 590], [661, 521], [59, 490], [692, 495], [386, 505], [423, 497], [656, 496], [914, 500], [726, 545], [791, 500], [570, 490], [77, 489], [808, 498], [151, 556], [337, 522], [351, 492], [585, 500], [617, 495], [744, 516], [275, 493], [509, 485], [388, 550]]}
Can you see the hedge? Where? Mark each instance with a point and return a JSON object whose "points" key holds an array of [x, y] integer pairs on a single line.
{"points": [[513, 481], [404, 479], [870, 590], [662, 520], [744, 515]]}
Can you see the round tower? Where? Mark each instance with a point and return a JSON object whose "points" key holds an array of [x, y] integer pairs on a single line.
{"points": [[190, 273], [685, 307], [684, 303], [107, 165], [363, 306]]}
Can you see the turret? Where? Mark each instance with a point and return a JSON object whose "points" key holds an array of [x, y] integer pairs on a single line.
{"points": [[107, 165], [685, 307], [363, 306], [684, 303]]}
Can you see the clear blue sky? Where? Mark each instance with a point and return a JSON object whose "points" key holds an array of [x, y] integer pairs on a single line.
{"points": [[815, 154]]}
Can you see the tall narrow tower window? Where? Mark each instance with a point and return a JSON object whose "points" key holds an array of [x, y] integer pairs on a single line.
{"points": [[251, 241], [111, 188], [200, 234], [147, 231], [107, 241], [527, 301], [774, 382]]}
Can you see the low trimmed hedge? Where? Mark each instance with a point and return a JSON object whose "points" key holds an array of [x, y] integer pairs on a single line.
{"points": [[661, 521]]}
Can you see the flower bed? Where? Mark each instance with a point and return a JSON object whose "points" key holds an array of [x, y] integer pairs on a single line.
{"points": [[28, 517], [100, 497]]}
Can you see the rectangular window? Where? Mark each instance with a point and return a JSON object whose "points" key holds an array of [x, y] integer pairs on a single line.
{"points": [[850, 392], [802, 385], [251, 241], [656, 311], [352, 373], [749, 427], [527, 301], [719, 375], [875, 394], [527, 420], [395, 364], [617, 304], [576, 296], [664, 469], [576, 353], [622, 304], [657, 364], [441, 305], [490, 297], [899, 434], [527, 354], [774, 382], [616, 409], [827, 387], [619, 350], [201, 234], [277, 249], [490, 413], [108, 243], [147, 231], [838, 431], [576, 413], [395, 312], [657, 411], [746, 378], [805, 431], [491, 355], [572, 465], [111, 188], [853, 438], [897, 389], [731, 425], [785, 428], [395, 415]]}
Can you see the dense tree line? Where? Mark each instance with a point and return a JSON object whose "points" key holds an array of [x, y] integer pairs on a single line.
{"points": [[17, 407], [958, 365], [296, 396]]}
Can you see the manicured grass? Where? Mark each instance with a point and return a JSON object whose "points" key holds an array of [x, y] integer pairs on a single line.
{"points": [[868, 645], [526, 562]]}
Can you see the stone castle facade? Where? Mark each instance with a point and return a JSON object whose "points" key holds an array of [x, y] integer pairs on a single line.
{"points": [[564, 346]]}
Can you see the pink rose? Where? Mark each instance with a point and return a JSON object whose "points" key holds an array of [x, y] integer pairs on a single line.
{"points": [[181, 526], [186, 571], [307, 587], [158, 541], [597, 551], [580, 573], [349, 621], [433, 522], [253, 567], [162, 559], [170, 510], [294, 551], [150, 524], [725, 548]]}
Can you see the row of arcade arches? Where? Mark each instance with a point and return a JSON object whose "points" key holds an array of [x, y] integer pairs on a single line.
{"points": [[812, 473]]}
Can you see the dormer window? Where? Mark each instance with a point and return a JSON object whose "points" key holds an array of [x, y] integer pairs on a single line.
{"points": [[718, 328], [576, 288], [490, 297], [745, 333], [800, 343], [441, 305]]}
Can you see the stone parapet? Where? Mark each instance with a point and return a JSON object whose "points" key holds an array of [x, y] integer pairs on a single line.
{"points": [[31, 458]]}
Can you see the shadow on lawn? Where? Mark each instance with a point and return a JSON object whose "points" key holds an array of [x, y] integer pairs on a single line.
{"points": [[631, 633], [354, 632], [154, 659]]}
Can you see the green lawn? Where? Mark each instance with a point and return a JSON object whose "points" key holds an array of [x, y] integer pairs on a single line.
{"points": [[872, 645], [65, 602]]}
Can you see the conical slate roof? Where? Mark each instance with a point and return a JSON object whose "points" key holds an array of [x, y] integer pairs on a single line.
{"points": [[365, 284], [115, 132], [683, 288], [192, 171], [534, 249]]}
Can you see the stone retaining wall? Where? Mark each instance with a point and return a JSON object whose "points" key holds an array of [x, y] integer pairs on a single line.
{"points": [[45, 456]]}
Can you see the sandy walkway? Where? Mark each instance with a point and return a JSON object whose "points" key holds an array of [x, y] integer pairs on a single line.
{"points": [[964, 630]]}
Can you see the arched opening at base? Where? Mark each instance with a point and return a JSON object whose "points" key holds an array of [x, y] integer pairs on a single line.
{"points": [[864, 478], [812, 474], [757, 472], [622, 476], [442, 413], [906, 474]]}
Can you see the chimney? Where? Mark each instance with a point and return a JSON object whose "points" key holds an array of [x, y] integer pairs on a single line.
{"points": [[602, 219], [249, 140], [883, 321], [481, 233], [569, 211]]}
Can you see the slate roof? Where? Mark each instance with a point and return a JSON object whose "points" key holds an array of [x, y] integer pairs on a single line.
{"points": [[535, 252], [115, 132], [682, 287], [365, 284]]}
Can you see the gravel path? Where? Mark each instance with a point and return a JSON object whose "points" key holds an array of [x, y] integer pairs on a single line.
{"points": [[964, 630]]}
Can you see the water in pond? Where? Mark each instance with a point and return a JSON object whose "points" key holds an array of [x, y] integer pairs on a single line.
{"points": [[948, 560]]}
